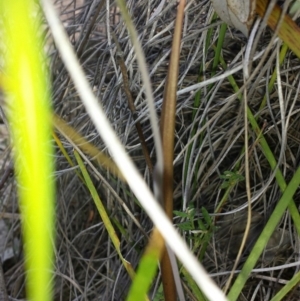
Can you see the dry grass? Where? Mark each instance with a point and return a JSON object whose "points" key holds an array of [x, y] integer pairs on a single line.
{"points": [[87, 266]]}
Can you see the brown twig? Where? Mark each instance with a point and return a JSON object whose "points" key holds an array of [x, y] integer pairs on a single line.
{"points": [[167, 133], [126, 87]]}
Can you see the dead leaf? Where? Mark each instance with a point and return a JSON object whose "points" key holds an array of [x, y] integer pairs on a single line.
{"points": [[236, 13]]}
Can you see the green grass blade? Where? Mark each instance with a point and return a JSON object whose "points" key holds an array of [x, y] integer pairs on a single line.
{"points": [[104, 216], [265, 236], [146, 270], [27, 86], [287, 288], [268, 153], [218, 49], [279, 178]]}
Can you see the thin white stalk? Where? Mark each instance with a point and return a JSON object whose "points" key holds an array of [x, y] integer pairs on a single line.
{"points": [[194, 88], [261, 270], [134, 179]]}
